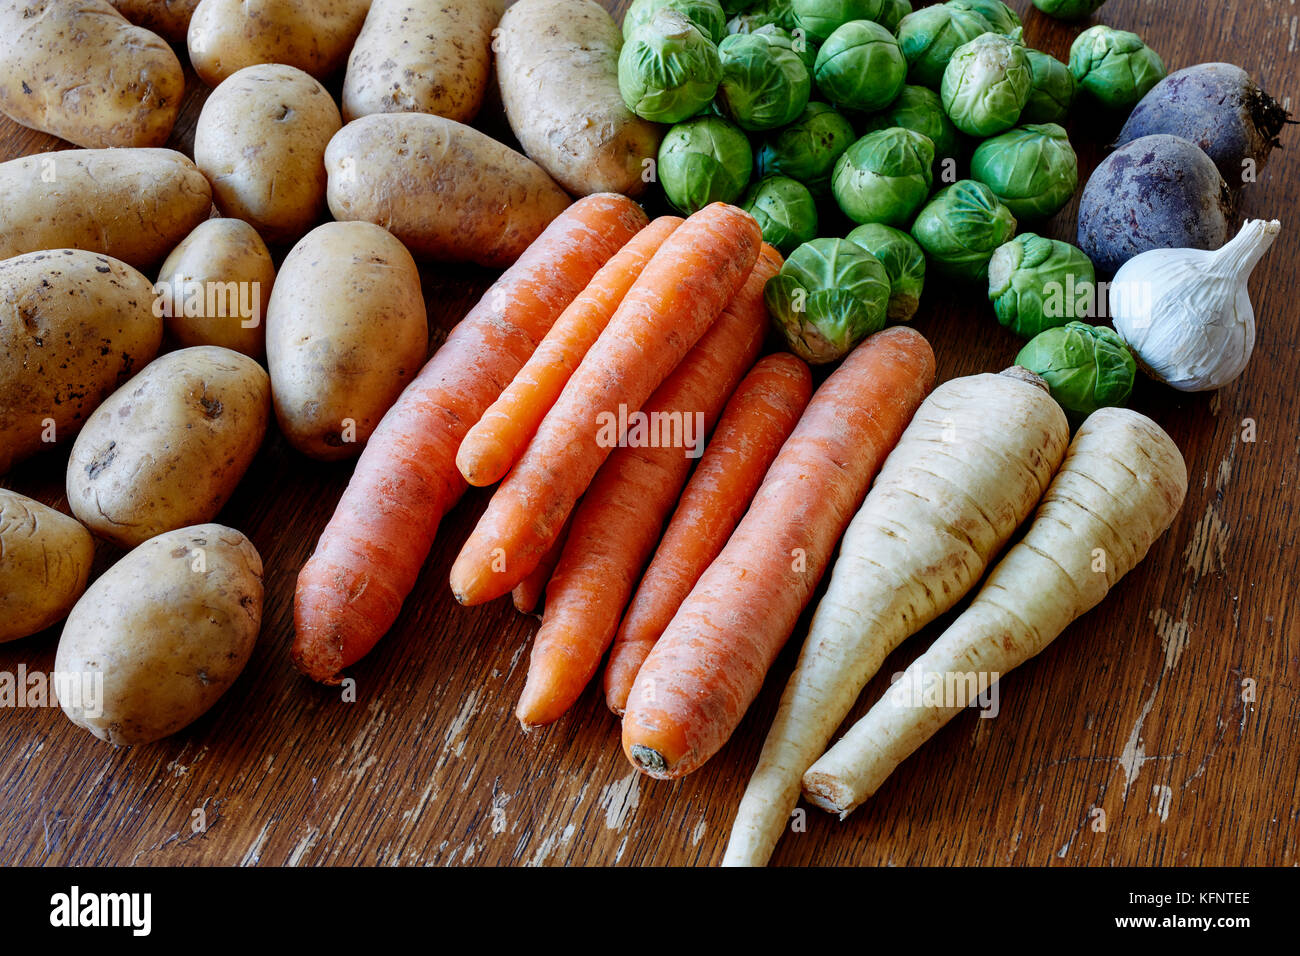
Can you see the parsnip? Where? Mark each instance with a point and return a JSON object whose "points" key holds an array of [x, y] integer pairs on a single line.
{"points": [[1119, 489]]}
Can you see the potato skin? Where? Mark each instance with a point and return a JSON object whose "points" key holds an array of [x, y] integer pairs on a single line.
{"points": [[47, 559], [131, 204], [74, 326], [169, 628], [447, 191], [346, 331], [227, 35], [421, 58], [227, 254], [557, 65], [170, 19], [167, 449], [261, 142], [78, 70]]}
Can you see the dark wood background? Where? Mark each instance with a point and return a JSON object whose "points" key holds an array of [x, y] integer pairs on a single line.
{"points": [[1159, 730]]}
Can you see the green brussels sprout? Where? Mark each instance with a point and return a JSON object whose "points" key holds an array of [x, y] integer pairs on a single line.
{"points": [[808, 148], [707, 15], [1033, 169], [929, 37], [987, 83], [799, 44], [1069, 9], [669, 70], [1087, 367], [1037, 284], [861, 67], [892, 13], [785, 210], [764, 13], [884, 176], [820, 18], [904, 263], [1000, 16], [764, 85], [1052, 96], [961, 227], [1114, 67], [919, 108], [829, 296], [702, 161]]}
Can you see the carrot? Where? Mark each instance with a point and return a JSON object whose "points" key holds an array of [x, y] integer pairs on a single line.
{"points": [[692, 277], [1119, 489], [529, 592], [968, 470], [756, 422], [616, 527], [367, 560], [708, 666], [497, 439]]}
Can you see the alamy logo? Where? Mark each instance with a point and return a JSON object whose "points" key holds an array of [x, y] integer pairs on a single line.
{"points": [[74, 908], [651, 430]]}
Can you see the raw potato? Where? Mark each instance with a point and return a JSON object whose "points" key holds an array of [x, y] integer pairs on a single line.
{"points": [[447, 191], [218, 284], [167, 449], [557, 64], [131, 204], [422, 57], [169, 19], [46, 562], [167, 629], [345, 332], [78, 70], [227, 35], [261, 142], [73, 327]]}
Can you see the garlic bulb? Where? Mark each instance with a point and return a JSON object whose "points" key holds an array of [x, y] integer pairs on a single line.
{"points": [[1186, 313]]}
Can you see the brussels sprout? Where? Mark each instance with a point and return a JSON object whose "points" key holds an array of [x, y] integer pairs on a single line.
{"points": [[702, 161], [808, 148], [1033, 169], [1000, 16], [1037, 284], [961, 227], [1069, 9], [800, 45], [861, 67], [820, 18], [884, 176], [829, 296], [1087, 367], [764, 85], [904, 263], [919, 108], [707, 15], [987, 83], [1053, 92], [892, 13], [669, 70], [929, 37], [1114, 67], [763, 13], [785, 210]]}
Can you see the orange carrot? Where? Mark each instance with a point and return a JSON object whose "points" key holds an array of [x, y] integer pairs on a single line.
{"points": [[495, 442], [708, 666], [350, 591], [529, 592], [756, 422], [619, 521], [692, 277]]}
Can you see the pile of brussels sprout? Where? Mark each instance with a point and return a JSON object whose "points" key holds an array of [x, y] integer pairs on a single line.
{"points": [[929, 137]]}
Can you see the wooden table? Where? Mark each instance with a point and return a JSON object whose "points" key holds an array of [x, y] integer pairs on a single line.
{"points": [[1158, 730]]}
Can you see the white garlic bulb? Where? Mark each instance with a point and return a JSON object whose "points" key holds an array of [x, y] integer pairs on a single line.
{"points": [[1186, 313]]}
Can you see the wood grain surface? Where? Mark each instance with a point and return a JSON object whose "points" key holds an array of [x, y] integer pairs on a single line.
{"points": [[1158, 730]]}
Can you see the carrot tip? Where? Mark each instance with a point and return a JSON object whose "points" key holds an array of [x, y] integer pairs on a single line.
{"points": [[648, 760]]}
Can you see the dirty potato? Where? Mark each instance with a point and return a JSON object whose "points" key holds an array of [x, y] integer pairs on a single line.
{"points": [[45, 564]]}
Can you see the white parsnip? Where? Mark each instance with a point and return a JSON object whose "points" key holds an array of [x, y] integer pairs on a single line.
{"points": [[1119, 489], [968, 470]]}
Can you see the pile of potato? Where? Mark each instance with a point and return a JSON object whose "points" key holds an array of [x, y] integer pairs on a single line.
{"points": [[146, 328]]}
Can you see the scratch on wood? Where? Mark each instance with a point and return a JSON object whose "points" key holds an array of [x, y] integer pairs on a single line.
{"points": [[254, 853], [698, 833], [303, 847], [620, 799], [552, 843]]}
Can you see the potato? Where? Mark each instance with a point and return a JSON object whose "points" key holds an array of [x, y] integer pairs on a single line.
{"points": [[78, 70], [46, 562], [170, 19], [422, 58], [261, 142], [131, 204], [167, 630], [217, 284], [227, 35], [557, 65], [74, 326], [447, 191], [345, 332], [167, 449]]}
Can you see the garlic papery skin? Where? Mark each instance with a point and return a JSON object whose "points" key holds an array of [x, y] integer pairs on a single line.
{"points": [[1186, 313]]}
